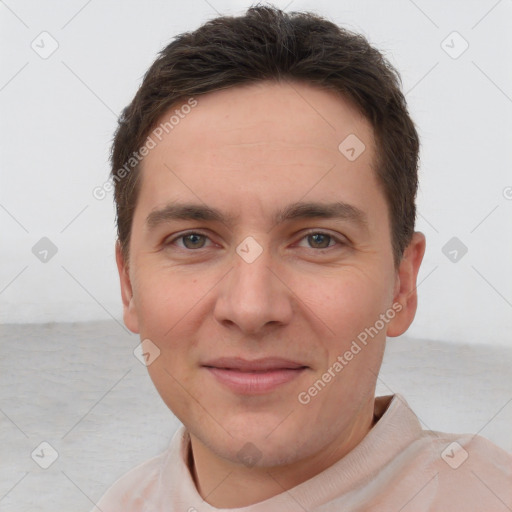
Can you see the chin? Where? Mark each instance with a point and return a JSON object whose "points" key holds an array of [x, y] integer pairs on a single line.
{"points": [[263, 442], [260, 452]]}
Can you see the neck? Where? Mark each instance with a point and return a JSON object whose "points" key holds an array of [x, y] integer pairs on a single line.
{"points": [[224, 483]]}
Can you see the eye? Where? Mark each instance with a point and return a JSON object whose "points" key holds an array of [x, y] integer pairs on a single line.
{"points": [[191, 240], [321, 240], [194, 240]]}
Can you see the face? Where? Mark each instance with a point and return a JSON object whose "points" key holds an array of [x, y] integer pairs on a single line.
{"points": [[259, 255]]}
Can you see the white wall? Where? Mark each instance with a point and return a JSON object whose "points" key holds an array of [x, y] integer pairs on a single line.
{"points": [[58, 116]]}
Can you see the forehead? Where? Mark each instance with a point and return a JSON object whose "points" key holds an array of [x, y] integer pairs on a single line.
{"points": [[297, 114], [264, 140]]}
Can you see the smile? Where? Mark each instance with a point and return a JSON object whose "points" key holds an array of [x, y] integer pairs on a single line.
{"points": [[254, 377]]}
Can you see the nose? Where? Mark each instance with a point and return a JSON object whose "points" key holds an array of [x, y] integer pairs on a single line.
{"points": [[253, 296]]}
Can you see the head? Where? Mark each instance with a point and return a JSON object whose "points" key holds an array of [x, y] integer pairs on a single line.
{"points": [[269, 213]]}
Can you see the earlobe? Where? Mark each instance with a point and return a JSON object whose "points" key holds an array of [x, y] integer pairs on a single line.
{"points": [[129, 310], [406, 283]]}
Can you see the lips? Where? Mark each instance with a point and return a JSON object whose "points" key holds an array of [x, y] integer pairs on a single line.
{"points": [[254, 377], [256, 365]]}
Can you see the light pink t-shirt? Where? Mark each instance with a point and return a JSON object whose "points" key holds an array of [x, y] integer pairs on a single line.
{"points": [[397, 467]]}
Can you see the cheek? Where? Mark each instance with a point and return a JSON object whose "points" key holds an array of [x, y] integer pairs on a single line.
{"points": [[163, 300], [172, 308], [166, 304], [345, 301]]}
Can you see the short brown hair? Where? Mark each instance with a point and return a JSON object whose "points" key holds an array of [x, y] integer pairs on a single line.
{"points": [[269, 44]]}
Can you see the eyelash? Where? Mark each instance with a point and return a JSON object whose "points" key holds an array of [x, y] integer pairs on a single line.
{"points": [[309, 233]]}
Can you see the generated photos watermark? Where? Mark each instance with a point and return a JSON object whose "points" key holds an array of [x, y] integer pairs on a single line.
{"points": [[100, 192], [304, 397]]}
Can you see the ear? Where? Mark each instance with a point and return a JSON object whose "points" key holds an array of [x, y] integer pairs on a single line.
{"points": [[129, 311], [405, 295]]}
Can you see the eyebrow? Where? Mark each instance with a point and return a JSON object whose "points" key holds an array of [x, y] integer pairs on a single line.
{"points": [[301, 210]]}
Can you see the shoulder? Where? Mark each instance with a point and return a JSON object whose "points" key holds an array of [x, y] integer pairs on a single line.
{"points": [[469, 471], [470, 450], [130, 491]]}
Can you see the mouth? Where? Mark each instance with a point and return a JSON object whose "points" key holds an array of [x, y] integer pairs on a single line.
{"points": [[254, 377]]}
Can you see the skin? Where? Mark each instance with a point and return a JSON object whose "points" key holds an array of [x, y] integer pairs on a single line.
{"points": [[250, 151]]}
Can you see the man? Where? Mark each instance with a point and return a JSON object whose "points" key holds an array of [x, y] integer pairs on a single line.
{"points": [[265, 179]]}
